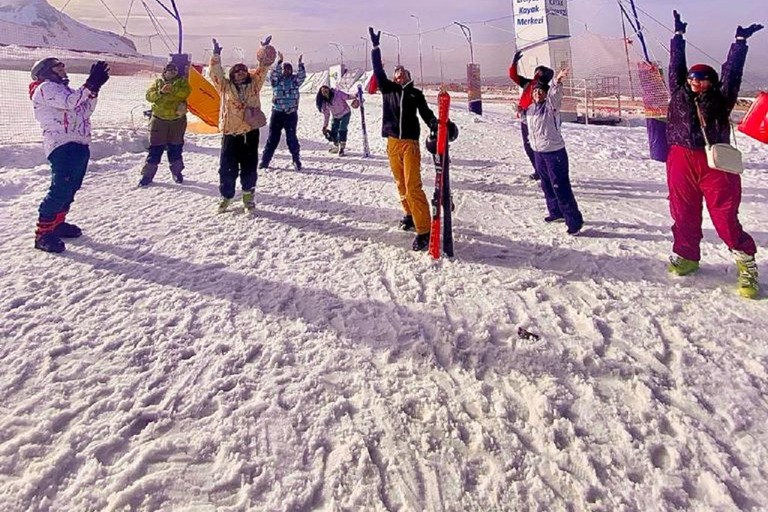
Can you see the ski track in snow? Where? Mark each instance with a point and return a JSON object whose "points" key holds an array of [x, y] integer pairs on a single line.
{"points": [[305, 358]]}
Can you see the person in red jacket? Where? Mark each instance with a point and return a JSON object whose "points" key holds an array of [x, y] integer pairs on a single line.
{"points": [[697, 94], [541, 74]]}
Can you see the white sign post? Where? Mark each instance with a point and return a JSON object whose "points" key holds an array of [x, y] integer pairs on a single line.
{"points": [[542, 33]]}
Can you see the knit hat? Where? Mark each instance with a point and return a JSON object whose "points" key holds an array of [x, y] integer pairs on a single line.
{"points": [[171, 65], [703, 72], [541, 85]]}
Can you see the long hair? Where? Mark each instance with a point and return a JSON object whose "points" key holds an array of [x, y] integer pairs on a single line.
{"points": [[320, 100]]}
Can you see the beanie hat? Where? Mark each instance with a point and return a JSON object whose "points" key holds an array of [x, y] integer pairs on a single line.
{"points": [[541, 85], [171, 65], [703, 72]]}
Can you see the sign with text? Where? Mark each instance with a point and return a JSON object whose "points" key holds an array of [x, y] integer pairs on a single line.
{"points": [[539, 20]]}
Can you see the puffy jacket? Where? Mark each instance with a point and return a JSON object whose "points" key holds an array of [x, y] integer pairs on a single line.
{"points": [[337, 107], [172, 105], [64, 114], [544, 122], [285, 90], [400, 105], [543, 73], [683, 125], [234, 99]]}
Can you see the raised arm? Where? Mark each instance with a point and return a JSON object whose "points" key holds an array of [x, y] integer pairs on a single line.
{"points": [[733, 69], [678, 68], [384, 83], [513, 72], [302, 74], [215, 70], [555, 95]]}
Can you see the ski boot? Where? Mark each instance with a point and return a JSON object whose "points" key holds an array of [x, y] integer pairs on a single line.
{"points": [[248, 203], [145, 181], [406, 223], [334, 149], [554, 218], [748, 285], [342, 147], [67, 230], [297, 164], [224, 204], [421, 242], [49, 243], [681, 266]]}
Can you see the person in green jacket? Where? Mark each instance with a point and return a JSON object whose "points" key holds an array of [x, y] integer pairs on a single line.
{"points": [[168, 96]]}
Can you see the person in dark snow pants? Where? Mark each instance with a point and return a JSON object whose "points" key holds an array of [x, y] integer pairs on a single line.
{"points": [[332, 103], [540, 74], [285, 110], [550, 156], [64, 115], [700, 91]]}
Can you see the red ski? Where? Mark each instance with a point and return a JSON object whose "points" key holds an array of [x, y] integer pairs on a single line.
{"points": [[441, 165]]}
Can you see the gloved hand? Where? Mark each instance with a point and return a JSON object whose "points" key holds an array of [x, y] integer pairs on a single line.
{"points": [[216, 47], [266, 41], [301, 57], [453, 131], [679, 25], [279, 58], [375, 36], [517, 57], [98, 76], [434, 124], [746, 33]]}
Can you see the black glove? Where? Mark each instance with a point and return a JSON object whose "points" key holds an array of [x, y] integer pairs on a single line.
{"points": [[746, 33], [98, 76], [679, 25], [434, 123], [216, 47], [375, 36], [453, 131], [517, 57], [266, 41]]}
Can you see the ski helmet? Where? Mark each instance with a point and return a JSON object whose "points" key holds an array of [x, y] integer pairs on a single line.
{"points": [[42, 68], [703, 72]]}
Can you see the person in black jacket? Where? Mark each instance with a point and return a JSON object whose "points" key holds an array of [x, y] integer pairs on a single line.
{"points": [[401, 102], [700, 94]]}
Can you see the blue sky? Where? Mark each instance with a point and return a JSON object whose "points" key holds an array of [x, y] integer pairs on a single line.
{"points": [[307, 26]]}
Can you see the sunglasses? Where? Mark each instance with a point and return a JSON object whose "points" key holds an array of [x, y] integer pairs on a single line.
{"points": [[698, 75]]}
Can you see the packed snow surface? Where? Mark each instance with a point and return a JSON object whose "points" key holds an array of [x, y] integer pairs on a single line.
{"points": [[306, 359]]}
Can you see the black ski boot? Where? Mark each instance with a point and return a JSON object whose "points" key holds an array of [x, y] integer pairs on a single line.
{"points": [[406, 223], [421, 242]]}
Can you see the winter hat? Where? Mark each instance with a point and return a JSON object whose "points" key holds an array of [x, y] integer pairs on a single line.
{"points": [[543, 74], [42, 68], [171, 65], [703, 72], [541, 85], [288, 68]]}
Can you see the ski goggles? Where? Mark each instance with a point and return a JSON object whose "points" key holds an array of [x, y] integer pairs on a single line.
{"points": [[699, 75]]}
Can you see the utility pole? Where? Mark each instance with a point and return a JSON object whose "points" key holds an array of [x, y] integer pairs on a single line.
{"points": [[421, 63], [398, 44], [341, 52], [474, 89]]}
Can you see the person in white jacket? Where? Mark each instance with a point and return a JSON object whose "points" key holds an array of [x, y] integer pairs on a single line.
{"points": [[64, 115]]}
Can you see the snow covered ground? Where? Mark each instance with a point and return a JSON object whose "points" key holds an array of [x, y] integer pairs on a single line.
{"points": [[306, 358]]}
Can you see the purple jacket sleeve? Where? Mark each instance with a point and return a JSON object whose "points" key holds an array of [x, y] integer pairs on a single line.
{"points": [[678, 68], [732, 72]]}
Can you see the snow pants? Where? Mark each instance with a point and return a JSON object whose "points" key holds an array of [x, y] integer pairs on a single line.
{"points": [[278, 122], [239, 156], [527, 146], [556, 185], [68, 165], [690, 179], [339, 128], [405, 162]]}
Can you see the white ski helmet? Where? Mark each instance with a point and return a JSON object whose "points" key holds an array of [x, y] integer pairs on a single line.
{"points": [[43, 66]]}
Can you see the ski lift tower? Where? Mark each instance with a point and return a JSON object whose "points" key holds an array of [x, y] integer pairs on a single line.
{"points": [[180, 59], [543, 34]]}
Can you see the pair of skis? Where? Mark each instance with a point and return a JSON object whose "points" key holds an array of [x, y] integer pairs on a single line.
{"points": [[361, 100], [441, 200]]}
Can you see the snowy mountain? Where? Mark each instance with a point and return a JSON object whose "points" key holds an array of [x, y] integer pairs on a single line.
{"points": [[36, 23]]}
